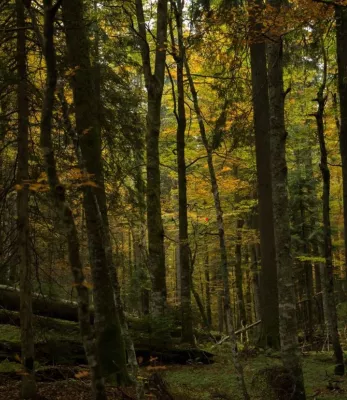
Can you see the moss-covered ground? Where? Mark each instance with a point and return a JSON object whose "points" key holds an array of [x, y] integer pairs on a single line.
{"points": [[215, 381], [218, 381]]}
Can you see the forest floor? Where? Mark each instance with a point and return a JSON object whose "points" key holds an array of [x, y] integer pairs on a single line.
{"points": [[184, 382], [195, 382]]}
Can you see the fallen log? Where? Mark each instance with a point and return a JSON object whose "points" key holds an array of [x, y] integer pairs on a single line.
{"points": [[51, 373], [42, 305], [68, 352]]}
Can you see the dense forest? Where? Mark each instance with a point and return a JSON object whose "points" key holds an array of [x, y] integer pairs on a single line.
{"points": [[173, 199]]}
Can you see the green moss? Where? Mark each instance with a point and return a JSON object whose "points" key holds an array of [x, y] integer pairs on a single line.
{"points": [[8, 366], [219, 379], [9, 333]]}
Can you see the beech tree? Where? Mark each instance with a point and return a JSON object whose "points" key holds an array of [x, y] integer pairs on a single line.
{"points": [[269, 293], [278, 134], [25, 270], [154, 82]]}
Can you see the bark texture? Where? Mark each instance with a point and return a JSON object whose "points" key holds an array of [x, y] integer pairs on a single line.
{"points": [[28, 389], [107, 322], [268, 278], [180, 112], [341, 46], [329, 304], [286, 295], [238, 274], [154, 84], [58, 193]]}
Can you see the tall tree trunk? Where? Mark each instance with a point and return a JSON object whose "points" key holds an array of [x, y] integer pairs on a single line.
{"points": [[253, 249], [308, 274], [278, 134], [318, 292], [341, 52], [268, 281], [26, 313], [154, 84], [328, 276], [3, 129], [58, 193], [107, 322], [141, 234], [221, 232], [255, 282], [314, 242], [180, 112], [239, 275], [208, 287]]}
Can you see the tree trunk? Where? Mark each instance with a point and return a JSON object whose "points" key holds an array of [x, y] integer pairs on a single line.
{"points": [[221, 234], [255, 283], [154, 85], [238, 274], [58, 193], [311, 228], [318, 293], [278, 134], [180, 113], [341, 46], [107, 323], [268, 281], [28, 389], [308, 274], [208, 287], [328, 277]]}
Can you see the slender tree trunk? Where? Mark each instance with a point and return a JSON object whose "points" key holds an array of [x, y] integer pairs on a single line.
{"points": [[154, 85], [221, 234], [313, 243], [208, 287], [328, 276], [278, 134], [201, 308], [248, 294], [26, 312], [3, 267], [255, 283], [341, 52], [58, 193], [308, 274], [238, 274], [180, 112], [254, 268], [141, 194], [107, 323], [325, 303], [268, 281], [318, 292]]}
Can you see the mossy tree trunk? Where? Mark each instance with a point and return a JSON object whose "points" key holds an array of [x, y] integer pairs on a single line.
{"points": [[180, 113], [286, 294], [268, 278], [341, 52], [154, 82], [28, 389], [239, 274], [329, 303], [58, 193], [110, 342]]}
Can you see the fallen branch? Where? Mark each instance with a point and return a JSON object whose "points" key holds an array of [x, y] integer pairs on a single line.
{"points": [[239, 331]]}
